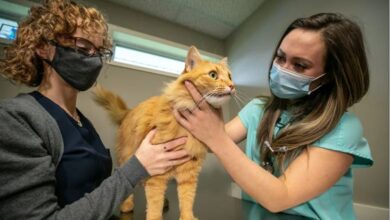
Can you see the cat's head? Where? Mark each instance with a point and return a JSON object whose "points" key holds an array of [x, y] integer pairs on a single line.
{"points": [[213, 80]]}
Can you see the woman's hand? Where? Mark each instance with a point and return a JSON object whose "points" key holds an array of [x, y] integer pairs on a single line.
{"points": [[158, 159], [204, 122]]}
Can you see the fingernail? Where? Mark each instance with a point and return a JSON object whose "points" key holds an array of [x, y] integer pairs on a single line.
{"points": [[186, 82]]}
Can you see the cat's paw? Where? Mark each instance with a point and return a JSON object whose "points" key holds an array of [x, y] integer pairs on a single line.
{"points": [[127, 206], [188, 218], [157, 218]]}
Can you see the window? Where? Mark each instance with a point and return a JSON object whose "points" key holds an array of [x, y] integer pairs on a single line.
{"points": [[147, 53], [11, 12], [8, 29], [146, 61]]}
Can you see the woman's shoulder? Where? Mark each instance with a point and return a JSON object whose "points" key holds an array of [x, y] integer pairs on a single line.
{"points": [[348, 137], [255, 105], [21, 102], [29, 121], [348, 129], [260, 100], [24, 109], [252, 112]]}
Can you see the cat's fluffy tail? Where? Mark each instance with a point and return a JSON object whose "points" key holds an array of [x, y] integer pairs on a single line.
{"points": [[114, 104]]}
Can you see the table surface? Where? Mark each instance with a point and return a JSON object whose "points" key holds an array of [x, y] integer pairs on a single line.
{"points": [[213, 200]]}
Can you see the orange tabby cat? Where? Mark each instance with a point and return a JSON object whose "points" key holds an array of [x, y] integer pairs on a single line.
{"points": [[213, 80]]}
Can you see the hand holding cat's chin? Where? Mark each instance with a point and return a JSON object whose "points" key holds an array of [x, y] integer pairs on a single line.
{"points": [[203, 122]]}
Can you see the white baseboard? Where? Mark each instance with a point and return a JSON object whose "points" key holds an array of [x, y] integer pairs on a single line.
{"points": [[368, 212], [235, 191], [363, 212]]}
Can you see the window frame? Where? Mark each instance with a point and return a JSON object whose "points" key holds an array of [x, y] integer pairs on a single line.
{"points": [[171, 50], [142, 68]]}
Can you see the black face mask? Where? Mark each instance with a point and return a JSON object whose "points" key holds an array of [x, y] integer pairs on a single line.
{"points": [[78, 70]]}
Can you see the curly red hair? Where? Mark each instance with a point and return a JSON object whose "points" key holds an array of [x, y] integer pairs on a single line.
{"points": [[51, 20]]}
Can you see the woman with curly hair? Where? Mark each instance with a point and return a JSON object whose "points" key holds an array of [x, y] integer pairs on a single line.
{"points": [[53, 163]]}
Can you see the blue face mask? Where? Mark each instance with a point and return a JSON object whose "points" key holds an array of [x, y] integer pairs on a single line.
{"points": [[287, 84]]}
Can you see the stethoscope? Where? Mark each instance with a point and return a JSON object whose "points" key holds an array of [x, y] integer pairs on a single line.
{"points": [[268, 165]]}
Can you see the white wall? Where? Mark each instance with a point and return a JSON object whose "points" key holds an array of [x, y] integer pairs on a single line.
{"points": [[250, 49]]}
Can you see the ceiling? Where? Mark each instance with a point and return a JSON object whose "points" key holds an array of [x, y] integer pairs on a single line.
{"points": [[217, 18]]}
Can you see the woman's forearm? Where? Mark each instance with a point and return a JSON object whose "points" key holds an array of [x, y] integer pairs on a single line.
{"points": [[266, 189]]}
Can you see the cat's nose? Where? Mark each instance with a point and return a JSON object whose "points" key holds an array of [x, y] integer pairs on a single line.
{"points": [[232, 89]]}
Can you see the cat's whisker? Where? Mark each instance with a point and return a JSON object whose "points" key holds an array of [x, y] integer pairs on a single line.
{"points": [[204, 97], [242, 95], [215, 92], [239, 99], [239, 104]]}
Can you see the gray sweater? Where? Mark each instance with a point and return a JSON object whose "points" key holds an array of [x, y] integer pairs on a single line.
{"points": [[31, 147]]}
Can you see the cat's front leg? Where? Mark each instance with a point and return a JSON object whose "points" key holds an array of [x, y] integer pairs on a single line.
{"points": [[186, 187], [155, 188]]}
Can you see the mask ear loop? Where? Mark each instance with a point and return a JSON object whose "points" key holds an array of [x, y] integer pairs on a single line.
{"points": [[47, 61], [319, 86], [53, 43]]}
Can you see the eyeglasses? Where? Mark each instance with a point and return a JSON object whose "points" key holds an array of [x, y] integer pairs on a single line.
{"points": [[86, 47]]}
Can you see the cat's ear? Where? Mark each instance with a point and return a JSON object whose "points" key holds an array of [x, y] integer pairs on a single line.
{"points": [[224, 61], [193, 58]]}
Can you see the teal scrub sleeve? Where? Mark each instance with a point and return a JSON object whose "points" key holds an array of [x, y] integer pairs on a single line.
{"points": [[251, 114], [347, 137]]}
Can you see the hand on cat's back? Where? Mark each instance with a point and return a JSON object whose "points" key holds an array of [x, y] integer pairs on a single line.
{"points": [[157, 159]]}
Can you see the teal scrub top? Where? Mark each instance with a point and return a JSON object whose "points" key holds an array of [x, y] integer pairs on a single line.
{"points": [[337, 202]]}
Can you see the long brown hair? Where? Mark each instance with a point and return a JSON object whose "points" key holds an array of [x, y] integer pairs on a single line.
{"points": [[315, 115], [49, 21]]}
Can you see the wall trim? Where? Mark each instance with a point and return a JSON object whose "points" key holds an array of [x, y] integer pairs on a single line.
{"points": [[364, 211]]}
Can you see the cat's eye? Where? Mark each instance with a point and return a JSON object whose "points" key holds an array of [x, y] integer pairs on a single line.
{"points": [[213, 75]]}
